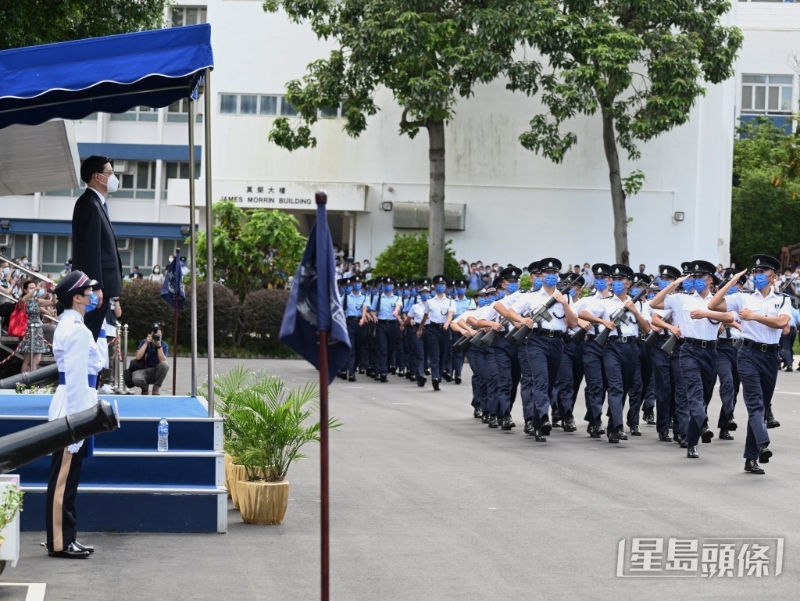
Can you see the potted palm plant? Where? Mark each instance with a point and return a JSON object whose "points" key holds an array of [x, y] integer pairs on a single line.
{"points": [[10, 504], [268, 426]]}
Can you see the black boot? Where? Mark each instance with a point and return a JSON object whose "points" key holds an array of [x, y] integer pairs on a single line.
{"points": [[492, 420], [691, 452], [725, 435], [751, 465]]}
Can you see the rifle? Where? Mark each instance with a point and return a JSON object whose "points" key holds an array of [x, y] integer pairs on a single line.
{"points": [[617, 316], [491, 335], [477, 339], [541, 313], [652, 337], [463, 343]]}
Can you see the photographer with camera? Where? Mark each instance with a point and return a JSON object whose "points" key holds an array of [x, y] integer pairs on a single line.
{"points": [[151, 365]]}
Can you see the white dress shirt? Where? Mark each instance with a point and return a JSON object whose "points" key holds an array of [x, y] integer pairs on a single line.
{"points": [[437, 309], [533, 300], [772, 305], [682, 305]]}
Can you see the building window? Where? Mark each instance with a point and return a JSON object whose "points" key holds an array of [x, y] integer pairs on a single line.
{"points": [[135, 251], [178, 112], [229, 104], [138, 113], [175, 170], [331, 112], [55, 251], [188, 15], [287, 110], [269, 105], [139, 181], [248, 104], [767, 94]]}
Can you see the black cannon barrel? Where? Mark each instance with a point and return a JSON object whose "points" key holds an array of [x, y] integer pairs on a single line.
{"points": [[22, 447], [50, 372]]}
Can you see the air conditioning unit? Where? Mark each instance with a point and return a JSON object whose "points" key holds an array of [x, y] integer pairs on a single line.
{"points": [[124, 244], [5, 239], [120, 166]]}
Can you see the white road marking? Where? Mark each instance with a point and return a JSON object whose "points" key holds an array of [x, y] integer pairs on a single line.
{"points": [[35, 589]]}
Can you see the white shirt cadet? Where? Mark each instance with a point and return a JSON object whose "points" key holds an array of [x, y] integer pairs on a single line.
{"points": [[682, 305], [772, 305], [629, 325], [417, 311], [437, 309], [533, 300]]}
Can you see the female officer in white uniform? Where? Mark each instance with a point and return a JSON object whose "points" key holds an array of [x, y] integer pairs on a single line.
{"points": [[79, 361]]}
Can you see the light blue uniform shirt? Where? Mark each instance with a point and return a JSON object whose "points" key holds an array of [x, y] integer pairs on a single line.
{"points": [[462, 305], [354, 304], [387, 305]]}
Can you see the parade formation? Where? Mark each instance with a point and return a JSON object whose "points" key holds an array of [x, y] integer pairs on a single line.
{"points": [[660, 344]]}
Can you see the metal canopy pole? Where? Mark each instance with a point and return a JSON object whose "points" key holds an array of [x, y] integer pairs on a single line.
{"points": [[209, 244], [192, 251]]}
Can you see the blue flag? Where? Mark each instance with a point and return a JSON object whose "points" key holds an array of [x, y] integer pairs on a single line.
{"points": [[314, 304], [173, 283]]}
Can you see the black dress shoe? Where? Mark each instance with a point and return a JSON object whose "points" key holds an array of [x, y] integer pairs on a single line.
{"points": [[435, 384], [528, 429], [513, 425], [706, 435], [556, 418], [421, 381], [447, 377], [569, 425], [764, 454], [392, 370], [546, 426], [649, 417], [593, 431], [88, 548], [485, 418], [492, 420], [351, 378], [691, 452], [751, 465], [635, 431], [600, 430], [342, 375], [621, 434], [772, 422], [477, 413], [71, 552], [383, 377], [725, 435], [682, 441], [676, 437], [664, 437], [458, 379], [613, 437], [538, 436], [732, 425], [507, 423], [401, 371], [361, 370], [376, 377], [427, 372]]}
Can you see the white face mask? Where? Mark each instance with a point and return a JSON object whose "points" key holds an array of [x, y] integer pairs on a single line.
{"points": [[156, 270], [112, 185]]}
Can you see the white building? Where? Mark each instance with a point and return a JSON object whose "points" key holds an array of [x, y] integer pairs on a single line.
{"points": [[507, 204]]}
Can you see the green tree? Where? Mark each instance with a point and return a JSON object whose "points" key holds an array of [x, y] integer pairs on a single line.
{"points": [[35, 22], [406, 258], [765, 207], [427, 54], [640, 64], [252, 250]]}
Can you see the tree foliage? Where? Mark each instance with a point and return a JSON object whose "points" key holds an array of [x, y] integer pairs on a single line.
{"points": [[427, 54], [641, 65], [765, 209], [35, 22], [252, 250], [406, 258]]}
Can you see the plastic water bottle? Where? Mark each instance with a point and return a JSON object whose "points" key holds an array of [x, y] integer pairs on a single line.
{"points": [[163, 435]]}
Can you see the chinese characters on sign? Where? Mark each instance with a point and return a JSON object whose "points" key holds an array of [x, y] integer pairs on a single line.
{"points": [[283, 198], [653, 557]]}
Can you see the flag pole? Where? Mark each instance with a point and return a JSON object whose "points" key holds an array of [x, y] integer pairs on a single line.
{"points": [[321, 199], [175, 329]]}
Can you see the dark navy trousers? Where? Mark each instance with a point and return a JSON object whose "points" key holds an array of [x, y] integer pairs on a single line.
{"points": [[570, 375], [664, 386], [699, 368], [596, 385], [508, 373], [759, 373], [417, 346], [544, 360], [357, 335], [385, 337], [436, 343], [457, 355], [621, 363], [728, 374], [478, 383], [681, 412], [525, 385]]}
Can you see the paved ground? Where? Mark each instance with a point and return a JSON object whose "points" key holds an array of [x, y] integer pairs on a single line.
{"points": [[427, 504]]}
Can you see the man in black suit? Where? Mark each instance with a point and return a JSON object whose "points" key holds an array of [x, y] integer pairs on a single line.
{"points": [[94, 243]]}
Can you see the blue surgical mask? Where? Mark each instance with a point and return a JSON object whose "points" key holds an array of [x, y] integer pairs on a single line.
{"points": [[423, 297], [760, 280], [732, 290], [388, 288], [348, 289], [461, 291], [501, 294], [601, 285], [651, 295], [617, 287], [550, 279], [413, 292], [93, 301], [688, 285], [482, 301], [440, 288], [512, 287], [357, 287], [700, 285], [406, 293], [537, 282], [573, 293], [663, 283], [635, 291]]}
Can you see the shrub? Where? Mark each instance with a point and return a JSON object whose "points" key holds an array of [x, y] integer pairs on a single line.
{"points": [[406, 258], [226, 317], [142, 306], [261, 317]]}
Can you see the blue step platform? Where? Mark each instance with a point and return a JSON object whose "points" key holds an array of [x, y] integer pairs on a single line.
{"points": [[128, 486]]}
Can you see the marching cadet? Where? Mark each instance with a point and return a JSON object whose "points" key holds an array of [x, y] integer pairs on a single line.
{"points": [[621, 354], [642, 379], [409, 300], [492, 407], [368, 322], [353, 306], [593, 369], [505, 352], [401, 347], [764, 314], [386, 307], [526, 379], [343, 285], [462, 305], [460, 327], [79, 362], [414, 317], [439, 313], [698, 354], [545, 345], [645, 355], [730, 337], [571, 371]]}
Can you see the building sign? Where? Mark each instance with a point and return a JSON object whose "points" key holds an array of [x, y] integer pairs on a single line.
{"points": [[288, 196]]}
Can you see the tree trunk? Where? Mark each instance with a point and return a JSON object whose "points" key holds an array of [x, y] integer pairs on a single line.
{"points": [[436, 198], [617, 191]]}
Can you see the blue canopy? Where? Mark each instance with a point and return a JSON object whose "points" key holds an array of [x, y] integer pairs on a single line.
{"points": [[112, 74]]}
